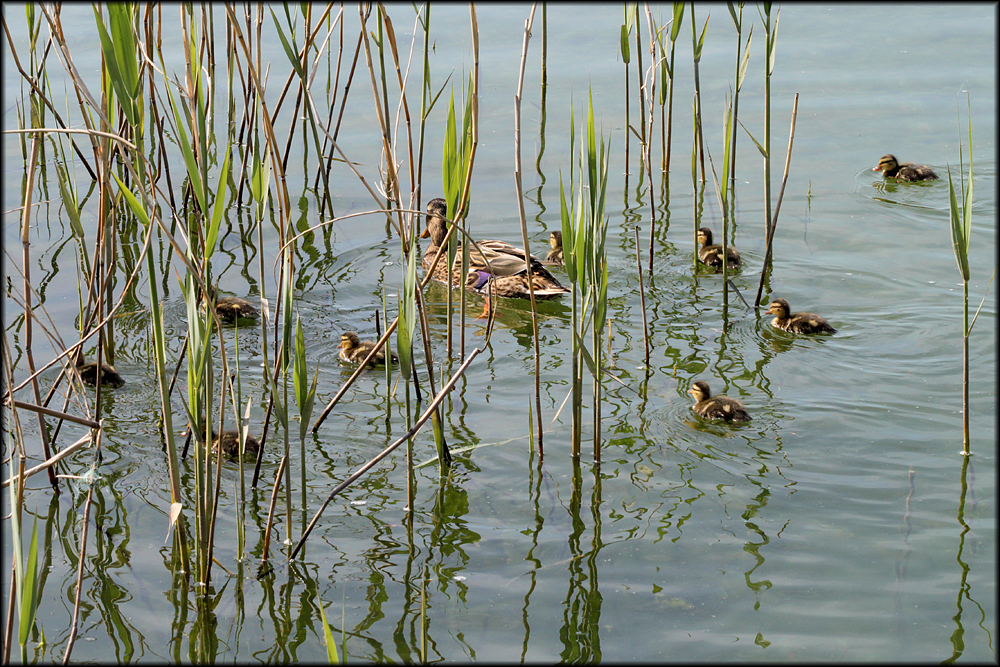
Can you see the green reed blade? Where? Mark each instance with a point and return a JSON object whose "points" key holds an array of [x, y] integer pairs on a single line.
{"points": [[331, 646], [29, 599], [219, 208], [959, 240]]}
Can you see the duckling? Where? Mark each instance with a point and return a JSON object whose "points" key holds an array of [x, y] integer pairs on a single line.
{"points": [[353, 350], [500, 260], [556, 252], [233, 309], [907, 171], [229, 441], [89, 373], [716, 407], [712, 254], [800, 323]]}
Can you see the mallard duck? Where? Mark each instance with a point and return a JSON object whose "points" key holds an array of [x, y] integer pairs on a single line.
{"points": [[89, 372], [800, 323], [502, 262], [712, 254], [353, 350], [716, 407], [556, 252], [907, 171]]}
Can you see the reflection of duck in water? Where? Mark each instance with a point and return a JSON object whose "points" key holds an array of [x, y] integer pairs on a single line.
{"points": [[500, 264], [800, 323], [556, 250], [89, 372], [716, 407], [353, 350], [712, 254], [907, 171]]}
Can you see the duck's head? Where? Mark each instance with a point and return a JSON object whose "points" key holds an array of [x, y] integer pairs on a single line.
{"points": [[886, 163], [437, 211], [705, 236], [780, 308], [700, 391], [555, 240], [349, 340]]}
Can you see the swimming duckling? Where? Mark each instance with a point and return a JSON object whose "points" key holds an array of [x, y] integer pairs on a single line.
{"points": [[556, 252], [353, 350], [800, 323], [89, 373], [712, 254], [907, 171], [232, 309], [229, 441], [716, 407], [501, 261]]}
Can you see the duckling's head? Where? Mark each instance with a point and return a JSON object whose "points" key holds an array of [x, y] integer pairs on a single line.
{"points": [[780, 308], [886, 163], [349, 340], [555, 240], [705, 236], [700, 391]]}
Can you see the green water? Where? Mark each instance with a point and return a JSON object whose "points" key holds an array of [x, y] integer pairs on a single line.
{"points": [[839, 524]]}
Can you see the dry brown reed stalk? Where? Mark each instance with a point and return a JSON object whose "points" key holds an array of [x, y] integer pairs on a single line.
{"points": [[647, 135], [63, 453], [427, 413], [524, 225], [264, 568], [781, 193], [82, 552], [29, 187]]}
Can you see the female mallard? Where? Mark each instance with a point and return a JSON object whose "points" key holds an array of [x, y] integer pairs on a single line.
{"points": [[800, 323], [712, 254], [353, 350], [502, 263], [556, 252], [907, 171], [716, 407], [89, 372]]}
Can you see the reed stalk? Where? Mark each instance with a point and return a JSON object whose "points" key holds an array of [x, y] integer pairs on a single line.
{"points": [[524, 225], [696, 45], [741, 70], [961, 232], [584, 228], [770, 36], [781, 193]]}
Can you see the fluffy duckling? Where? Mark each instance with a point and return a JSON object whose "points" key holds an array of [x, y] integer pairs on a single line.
{"points": [[712, 254], [353, 350], [502, 263], [716, 407], [89, 372], [229, 441], [906, 171], [232, 309], [800, 323], [556, 250]]}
